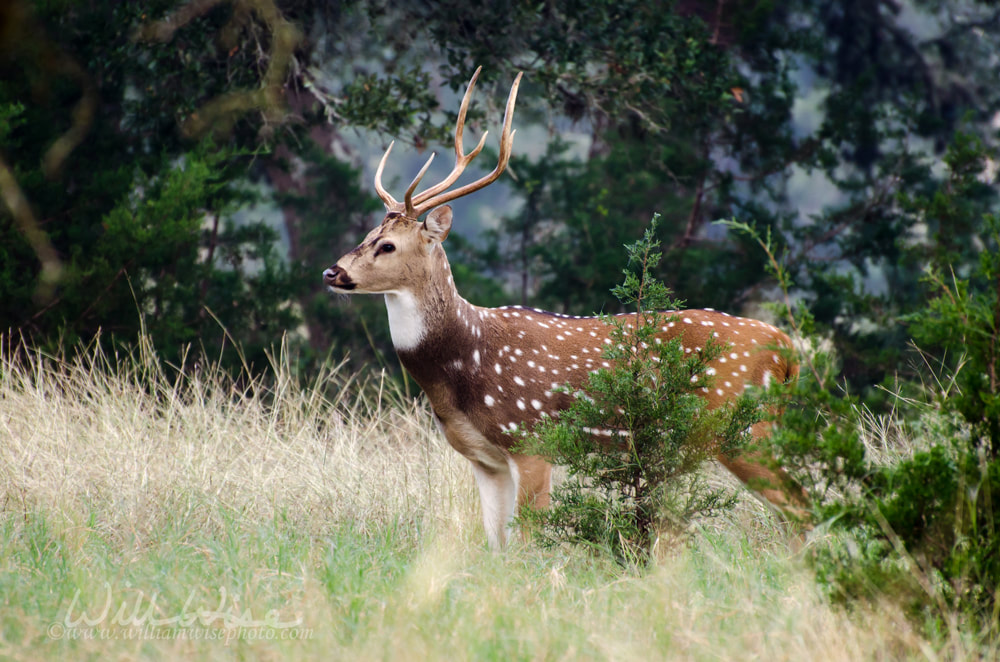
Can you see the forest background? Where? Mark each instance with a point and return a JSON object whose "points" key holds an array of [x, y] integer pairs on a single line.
{"points": [[190, 168]]}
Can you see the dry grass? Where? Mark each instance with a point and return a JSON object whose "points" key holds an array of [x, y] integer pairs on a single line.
{"points": [[349, 514], [133, 446]]}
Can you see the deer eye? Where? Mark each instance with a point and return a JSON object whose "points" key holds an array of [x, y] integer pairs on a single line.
{"points": [[385, 248]]}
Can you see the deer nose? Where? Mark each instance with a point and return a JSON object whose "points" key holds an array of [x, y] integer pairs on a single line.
{"points": [[337, 278]]}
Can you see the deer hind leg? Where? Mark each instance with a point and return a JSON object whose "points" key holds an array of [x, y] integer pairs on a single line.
{"points": [[498, 496], [774, 486], [535, 481]]}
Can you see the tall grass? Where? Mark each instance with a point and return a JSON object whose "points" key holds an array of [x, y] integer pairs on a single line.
{"points": [[126, 443], [333, 513]]}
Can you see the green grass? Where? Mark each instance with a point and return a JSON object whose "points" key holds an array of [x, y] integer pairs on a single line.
{"points": [[351, 530]]}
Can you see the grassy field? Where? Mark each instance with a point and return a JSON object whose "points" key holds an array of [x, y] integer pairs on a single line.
{"points": [[152, 519]]}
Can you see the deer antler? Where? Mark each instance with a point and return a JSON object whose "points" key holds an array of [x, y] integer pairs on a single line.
{"points": [[437, 195], [461, 160], [387, 200]]}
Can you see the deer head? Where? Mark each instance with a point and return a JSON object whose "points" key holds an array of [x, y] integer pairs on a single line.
{"points": [[403, 251]]}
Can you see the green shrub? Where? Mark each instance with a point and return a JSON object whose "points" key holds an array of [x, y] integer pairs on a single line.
{"points": [[626, 493], [922, 529]]}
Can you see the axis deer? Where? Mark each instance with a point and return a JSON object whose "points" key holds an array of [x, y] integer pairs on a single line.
{"points": [[489, 371]]}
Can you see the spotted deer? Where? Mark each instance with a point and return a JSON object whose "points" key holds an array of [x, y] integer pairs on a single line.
{"points": [[490, 371]]}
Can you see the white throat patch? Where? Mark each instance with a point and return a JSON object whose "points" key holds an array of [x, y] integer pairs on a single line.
{"points": [[406, 323]]}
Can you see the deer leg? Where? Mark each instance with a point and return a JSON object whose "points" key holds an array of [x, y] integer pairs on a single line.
{"points": [[773, 485], [498, 496], [535, 481]]}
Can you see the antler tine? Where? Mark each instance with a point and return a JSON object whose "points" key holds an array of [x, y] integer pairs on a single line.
{"points": [[411, 212], [506, 145], [387, 200], [461, 160]]}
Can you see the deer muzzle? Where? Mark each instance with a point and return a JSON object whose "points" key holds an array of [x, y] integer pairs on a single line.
{"points": [[337, 279]]}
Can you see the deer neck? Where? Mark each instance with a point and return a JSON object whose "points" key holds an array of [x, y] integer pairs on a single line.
{"points": [[430, 317]]}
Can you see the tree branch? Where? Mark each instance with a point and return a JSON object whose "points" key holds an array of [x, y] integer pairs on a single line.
{"points": [[219, 114], [37, 238]]}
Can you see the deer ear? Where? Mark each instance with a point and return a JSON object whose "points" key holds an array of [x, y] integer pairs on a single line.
{"points": [[437, 224]]}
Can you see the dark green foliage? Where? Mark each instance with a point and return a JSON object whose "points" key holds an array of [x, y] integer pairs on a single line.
{"points": [[162, 256], [660, 99], [701, 114], [628, 488], [911, 220], [390, 105], [140, 219], [962, 322], [328, 198], [688, 108], [924, 528]]}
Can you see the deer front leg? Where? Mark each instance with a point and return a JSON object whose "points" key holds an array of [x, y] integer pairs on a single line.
{"points": [[498, 495]]}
